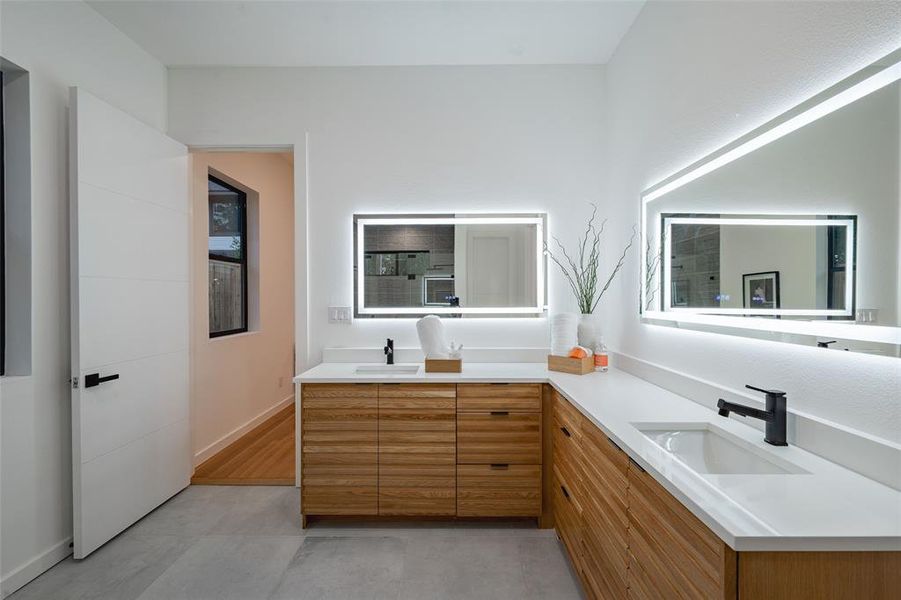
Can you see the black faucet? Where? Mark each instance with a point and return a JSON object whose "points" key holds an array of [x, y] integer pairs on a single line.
{"points": [[389, 351], [825, 344], [774, 415]]}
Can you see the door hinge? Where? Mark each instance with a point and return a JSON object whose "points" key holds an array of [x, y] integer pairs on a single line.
{"points": [[74, 382]]}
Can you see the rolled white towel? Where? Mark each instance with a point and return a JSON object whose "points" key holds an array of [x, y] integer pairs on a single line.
{"points": [[564, 333], [434, 344]]}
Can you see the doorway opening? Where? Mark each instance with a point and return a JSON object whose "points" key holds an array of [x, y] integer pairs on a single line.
{"points": [[242, 357]]}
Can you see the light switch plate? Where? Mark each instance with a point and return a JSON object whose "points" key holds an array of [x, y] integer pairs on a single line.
{"points": [[340, 314]]}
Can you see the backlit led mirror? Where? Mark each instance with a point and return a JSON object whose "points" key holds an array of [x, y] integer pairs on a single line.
{"points": [[449, 265], [774, 266], [790, 232]]}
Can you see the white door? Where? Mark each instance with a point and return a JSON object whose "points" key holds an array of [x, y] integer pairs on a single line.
{"points": [[129, 219]]}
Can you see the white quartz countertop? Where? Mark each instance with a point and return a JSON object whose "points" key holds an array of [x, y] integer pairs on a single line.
{"points": [[829, 507]]}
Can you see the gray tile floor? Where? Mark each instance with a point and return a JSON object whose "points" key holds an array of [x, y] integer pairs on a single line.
{"points": [[245, 543]]}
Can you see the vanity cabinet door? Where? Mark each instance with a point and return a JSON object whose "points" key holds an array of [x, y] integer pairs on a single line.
{"points": [[605, 514], [417, 449], [672, 553], [339, 450]]}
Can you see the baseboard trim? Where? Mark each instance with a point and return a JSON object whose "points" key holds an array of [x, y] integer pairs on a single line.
{"points": [[20, 576], [236, 433]]}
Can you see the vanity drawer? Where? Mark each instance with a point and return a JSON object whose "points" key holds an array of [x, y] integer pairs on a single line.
{"points": [[512, 397], [499, 437], [498, 490], [568, 516], [568, 416]]}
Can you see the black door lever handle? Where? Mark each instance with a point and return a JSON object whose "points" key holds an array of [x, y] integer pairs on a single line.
{"points": [[94, 379]]}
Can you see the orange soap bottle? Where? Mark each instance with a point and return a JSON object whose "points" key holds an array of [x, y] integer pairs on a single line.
{"points": [[601, 359]]}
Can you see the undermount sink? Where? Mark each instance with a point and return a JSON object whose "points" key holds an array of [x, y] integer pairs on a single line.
{"points": [[708, 449], [388, 369]]}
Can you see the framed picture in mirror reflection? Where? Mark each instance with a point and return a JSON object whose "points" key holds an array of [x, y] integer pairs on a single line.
{"points": [[761, 290]]}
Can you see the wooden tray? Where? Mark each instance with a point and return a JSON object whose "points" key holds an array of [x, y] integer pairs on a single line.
{"points": [[444, 365], [575, 366]]}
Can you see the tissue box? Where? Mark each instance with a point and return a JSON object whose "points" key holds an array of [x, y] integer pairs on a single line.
{"points": [[444, 365], [574, 366]]}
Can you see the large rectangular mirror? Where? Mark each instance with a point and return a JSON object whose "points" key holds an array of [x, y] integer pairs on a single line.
{"points": [[791, 230], [449, 265], [776, 266]]}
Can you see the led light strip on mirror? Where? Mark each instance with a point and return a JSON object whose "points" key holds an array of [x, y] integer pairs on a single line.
{"points": [[525, 311]]}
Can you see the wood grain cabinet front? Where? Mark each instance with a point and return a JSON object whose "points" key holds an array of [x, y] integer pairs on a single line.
{"points": [[499, 450], [498, 490], [417, 449], [339, 446], [673, 554], [628, 537], [605, 542]]}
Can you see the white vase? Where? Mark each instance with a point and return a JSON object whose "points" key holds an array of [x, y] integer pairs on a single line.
{"points": [[590, 330], [564, 333]]}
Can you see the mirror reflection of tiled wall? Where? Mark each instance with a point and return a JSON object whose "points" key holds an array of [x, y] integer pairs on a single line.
{"points": [[397, 258], [695, 265]]}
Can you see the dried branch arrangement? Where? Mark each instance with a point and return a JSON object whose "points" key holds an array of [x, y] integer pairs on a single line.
{"points": [[582, 267]]}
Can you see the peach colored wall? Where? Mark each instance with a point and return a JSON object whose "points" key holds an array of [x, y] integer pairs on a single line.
{"points": [[238, 379]]}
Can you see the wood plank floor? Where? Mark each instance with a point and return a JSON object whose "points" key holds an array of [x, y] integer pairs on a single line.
{"points": [[262, 456]]}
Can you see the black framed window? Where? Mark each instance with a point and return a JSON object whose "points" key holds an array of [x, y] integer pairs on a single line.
{"points": [[227, 258]]}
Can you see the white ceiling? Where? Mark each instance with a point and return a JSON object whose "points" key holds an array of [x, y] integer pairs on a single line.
{"points": [[374, 32]]}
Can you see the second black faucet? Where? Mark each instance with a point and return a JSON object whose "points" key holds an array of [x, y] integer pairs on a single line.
{"points": [[774, 415], [389, 351]]}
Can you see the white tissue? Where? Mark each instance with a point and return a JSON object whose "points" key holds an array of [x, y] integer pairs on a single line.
{"points": [[564, 333], [431, 337]]}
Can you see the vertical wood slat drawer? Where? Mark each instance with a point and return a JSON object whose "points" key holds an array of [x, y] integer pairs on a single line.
{"points": [[417, 449], [513, 397], [339, 431], [568, 515], [568, 424], [678, 555], [498, 490], [499, 437]]}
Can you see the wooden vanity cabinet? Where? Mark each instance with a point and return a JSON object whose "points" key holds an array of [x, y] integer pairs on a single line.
{"points": [[421, 449], [339, 446], [499, 450], [417, 449], [626, 536]]}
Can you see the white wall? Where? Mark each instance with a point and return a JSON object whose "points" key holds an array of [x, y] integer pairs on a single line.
{"points": [[398, 139], [61, 44], [690, 77]]}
